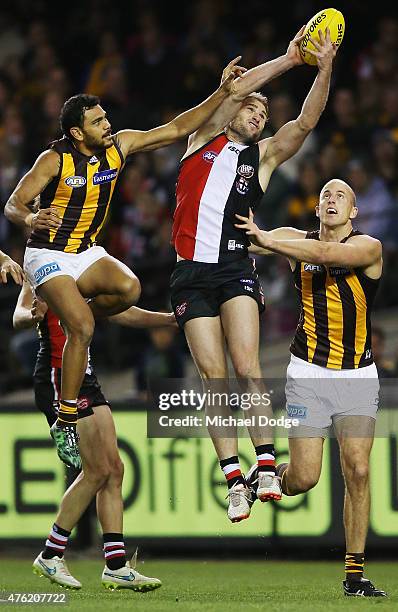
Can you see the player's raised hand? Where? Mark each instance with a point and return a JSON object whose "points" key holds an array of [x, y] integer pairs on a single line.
{"points": [[231, 72], [325, 50], [254, 233], [46, 218], [38, 310], [293, 50]]}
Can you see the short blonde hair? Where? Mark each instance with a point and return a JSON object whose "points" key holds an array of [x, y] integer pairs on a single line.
{"points": [[263, 99]]}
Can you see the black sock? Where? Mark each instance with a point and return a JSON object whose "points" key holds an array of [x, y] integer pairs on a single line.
{"points": [[232, 471], [56, 542], [265, 454], [354, 563], [114, 551]]}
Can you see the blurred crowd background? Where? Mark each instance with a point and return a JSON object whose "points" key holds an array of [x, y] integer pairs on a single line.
{"points": [[148, 61]]}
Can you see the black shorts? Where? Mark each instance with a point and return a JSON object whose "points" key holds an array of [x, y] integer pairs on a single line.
{"points": [[198, 289], [47, 384]]}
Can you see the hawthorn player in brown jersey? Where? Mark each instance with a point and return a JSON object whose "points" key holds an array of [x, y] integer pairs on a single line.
{"points": [[331, 379], [74, 180], [102, 468]]}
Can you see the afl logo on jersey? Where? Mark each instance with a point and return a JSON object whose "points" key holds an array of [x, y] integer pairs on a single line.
{"points": [[313, 268], [209, 156], [75, 181], [246, 171]]}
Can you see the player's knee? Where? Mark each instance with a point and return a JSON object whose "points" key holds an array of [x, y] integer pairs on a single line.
{"points": [[356, 471], [212, 370], [117, 472], [98, 475], [246, 366], [303, 482], [81, 330], [130, 290]]}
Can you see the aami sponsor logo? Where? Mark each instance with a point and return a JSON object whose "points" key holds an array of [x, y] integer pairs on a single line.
{"points": [[105, 176], [299, 412], [313, 268], [75, 181], [209, 156], [45, 270]]}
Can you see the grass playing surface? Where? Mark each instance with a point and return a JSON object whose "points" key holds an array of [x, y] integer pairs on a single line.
{"points": [[212, 586]]}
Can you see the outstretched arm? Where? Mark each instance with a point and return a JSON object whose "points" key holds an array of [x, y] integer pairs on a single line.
{"points": [[289, 138], [131, 141], [143, 319], [358, 252], [248, 82]]}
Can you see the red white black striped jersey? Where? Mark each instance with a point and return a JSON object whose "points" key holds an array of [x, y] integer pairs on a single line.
{"points": [[217, 181], [52, 342]]}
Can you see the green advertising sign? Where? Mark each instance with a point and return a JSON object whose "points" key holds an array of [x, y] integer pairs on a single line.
{"points": [[173, 487]]}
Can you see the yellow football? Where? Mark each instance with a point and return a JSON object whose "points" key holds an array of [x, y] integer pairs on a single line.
{"points": [[328, 18]]}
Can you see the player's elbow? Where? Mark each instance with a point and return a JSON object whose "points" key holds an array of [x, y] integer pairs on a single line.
{"points": [[178, 129], [8, 211], [306, 124]]}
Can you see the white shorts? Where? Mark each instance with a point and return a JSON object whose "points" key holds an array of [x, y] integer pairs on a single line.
{"points": [[42, 264], [318, 396]]}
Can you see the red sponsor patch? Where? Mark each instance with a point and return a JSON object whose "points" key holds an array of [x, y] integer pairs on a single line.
{"points": [[82, 403], [181, 308]]}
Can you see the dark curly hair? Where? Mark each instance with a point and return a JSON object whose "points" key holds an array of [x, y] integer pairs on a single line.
{"points": [[72, 113]]}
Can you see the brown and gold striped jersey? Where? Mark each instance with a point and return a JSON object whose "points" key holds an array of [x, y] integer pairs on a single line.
{"points": [[334, 329], [81, 193]]}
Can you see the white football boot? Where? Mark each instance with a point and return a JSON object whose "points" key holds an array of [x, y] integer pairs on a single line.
{"points": [[269, 487], [127, 577], [240, 502], [55, 570]]}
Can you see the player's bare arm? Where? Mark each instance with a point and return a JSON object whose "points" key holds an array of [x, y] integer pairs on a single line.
{"points": [[289, 138], [358, 252], [246, 83], [29, 309], [181, 126], [29, 187], [9, 266]]}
